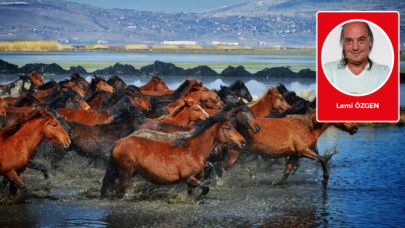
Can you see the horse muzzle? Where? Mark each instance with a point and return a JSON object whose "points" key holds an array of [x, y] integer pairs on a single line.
{"points": [[242, 144], [354, 130], [66, 145]]}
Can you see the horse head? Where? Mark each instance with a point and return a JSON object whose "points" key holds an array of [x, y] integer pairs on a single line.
{"points": [[78, 80], [136, 97], [36, 78], [52, 129], [227, 96], [117, 83], [2, 112], [157, 109], [277, 100], [239, 89], [350, 127], [228, 134], [241, 115]]}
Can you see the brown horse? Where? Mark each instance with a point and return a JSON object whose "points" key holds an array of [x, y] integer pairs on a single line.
{"points": [[3, 103], [186, 113], [36, 78], [168, 162], [293, 136], [272, 99], [2, 112], [18, 141], [78, 80], [155, 84], [98, 84]]}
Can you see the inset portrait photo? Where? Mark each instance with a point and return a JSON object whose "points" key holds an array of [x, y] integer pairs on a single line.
{"points": [[357, 57]]}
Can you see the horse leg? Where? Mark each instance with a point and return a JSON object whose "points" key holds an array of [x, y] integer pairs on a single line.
{"points": [[194, 182], [292, 160], [33, 165], [312, 155], [14, 178], [233, 156], [125, 177]]}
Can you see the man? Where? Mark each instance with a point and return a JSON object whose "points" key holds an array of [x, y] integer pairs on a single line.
{"points": [[355, 73]]}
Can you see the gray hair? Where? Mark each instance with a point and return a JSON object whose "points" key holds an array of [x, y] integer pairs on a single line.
{"points": [[343, 61]]}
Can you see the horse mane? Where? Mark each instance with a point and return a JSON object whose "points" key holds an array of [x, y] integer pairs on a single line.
{"points": [[94, 81], [61, 82], [123, 112], [235, 84], [182, 89], [11, 130], [156, 78], [47, 85], [268, 88], [30, 98], [201, 126], [308, 120], [161, 136], [55, 102]]}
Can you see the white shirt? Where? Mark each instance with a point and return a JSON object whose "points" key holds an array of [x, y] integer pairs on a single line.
{"points": [[365, 82]]}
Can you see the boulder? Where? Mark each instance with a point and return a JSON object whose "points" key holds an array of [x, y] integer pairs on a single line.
{"points": [[77, 69], [43, 68], [159, 68], [306, 73], [276, 72], [201, 71], [8, 68], [118, 69], [238, 71]]}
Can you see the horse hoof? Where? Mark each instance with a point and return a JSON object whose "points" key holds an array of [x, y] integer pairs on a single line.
{"points": [[278, 183]]}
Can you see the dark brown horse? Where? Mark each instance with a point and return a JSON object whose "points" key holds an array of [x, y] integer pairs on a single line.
{"points": [[271, 100], [293, 136], [239, 89], [18, 141], [117, 83], [78, 80], [95, 142], [98, 84], [155, 84], [168, 162]]}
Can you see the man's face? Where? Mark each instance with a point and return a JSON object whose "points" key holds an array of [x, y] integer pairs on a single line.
{"points": [[356, 42]]}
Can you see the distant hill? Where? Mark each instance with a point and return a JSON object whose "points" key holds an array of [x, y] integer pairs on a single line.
{"points": [[266, 23], [306, 7]]}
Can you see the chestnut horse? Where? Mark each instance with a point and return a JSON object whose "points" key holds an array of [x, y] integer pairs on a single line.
{"points": [[187, 112], [2, 112], [36, 78], [98, 84], [155, 84], [18, 141], [169, 162], [110, 107], [293, 136], [271, 100]]}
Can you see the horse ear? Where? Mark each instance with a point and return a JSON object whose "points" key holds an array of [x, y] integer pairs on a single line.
{"points": [[240, 83]]}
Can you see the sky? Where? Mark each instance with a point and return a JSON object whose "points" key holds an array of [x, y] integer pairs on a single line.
{"points": [[162, 5]]}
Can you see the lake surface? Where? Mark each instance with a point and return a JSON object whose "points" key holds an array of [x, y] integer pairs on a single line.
{"points": [[365, 190]]}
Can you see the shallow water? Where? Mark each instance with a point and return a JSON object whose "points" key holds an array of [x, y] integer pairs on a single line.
{"points": [[365, 190]]}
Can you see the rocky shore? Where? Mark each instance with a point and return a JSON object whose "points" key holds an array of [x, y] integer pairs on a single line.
{"points": [[158, 68]]}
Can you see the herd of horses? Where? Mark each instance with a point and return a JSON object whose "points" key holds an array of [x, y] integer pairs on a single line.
{"points": [[166, 136]]}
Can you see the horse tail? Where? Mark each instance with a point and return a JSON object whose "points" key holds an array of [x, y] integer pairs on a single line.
{"points": [[111, 174]]}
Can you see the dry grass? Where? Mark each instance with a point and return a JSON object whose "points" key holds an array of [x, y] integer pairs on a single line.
{"points": [[95, 46], [165, 47], [136, 47], [193, 47], [29, 45]]}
